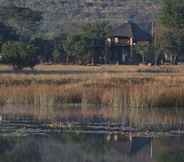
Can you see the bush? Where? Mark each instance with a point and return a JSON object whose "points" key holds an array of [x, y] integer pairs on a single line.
{"points": [[56, 54], [19, 55]]}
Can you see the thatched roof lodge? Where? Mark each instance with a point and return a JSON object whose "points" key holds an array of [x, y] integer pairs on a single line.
{"points": [[124, 37], [132, 30]]}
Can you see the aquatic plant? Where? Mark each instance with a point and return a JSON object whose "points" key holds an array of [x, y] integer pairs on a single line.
{"points": [[114, 86]]}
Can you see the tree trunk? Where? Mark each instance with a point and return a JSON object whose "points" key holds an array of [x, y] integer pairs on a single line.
{"points": [[67, 59]]}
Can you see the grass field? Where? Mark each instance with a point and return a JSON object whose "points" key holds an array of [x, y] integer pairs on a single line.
{"points": [[74, 73]]}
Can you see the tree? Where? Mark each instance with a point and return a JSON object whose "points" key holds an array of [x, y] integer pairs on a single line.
{"points": [[56, 54], [172, 20], [87, 44], [147, 53], [142, 50], [44, 49], [96, 35], [172, 14], [25, 21], [7, 33], [70, 46], [19, 55]]}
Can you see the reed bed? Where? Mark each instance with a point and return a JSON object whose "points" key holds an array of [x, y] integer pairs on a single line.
{"points": [[138, 93], [115, 86]]}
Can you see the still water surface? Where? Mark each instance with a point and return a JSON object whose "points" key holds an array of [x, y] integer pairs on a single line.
{"points": [[90, 148], [91, 134]]}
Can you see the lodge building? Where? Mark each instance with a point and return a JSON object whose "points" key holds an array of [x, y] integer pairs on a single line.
{"points": [[123, 39]]}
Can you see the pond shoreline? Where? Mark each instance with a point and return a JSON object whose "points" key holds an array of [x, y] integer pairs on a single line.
{"points": [[17, 128], [140, 99]]}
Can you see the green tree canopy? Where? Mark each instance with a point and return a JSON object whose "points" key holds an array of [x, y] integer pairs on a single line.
{"points": [[19, 55], [56, 54], [172, 20], [25, 21], [172, 14], [85, 44]]}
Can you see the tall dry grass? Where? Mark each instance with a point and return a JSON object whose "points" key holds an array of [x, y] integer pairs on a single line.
{"points": [[115, 86], [138, 93]]}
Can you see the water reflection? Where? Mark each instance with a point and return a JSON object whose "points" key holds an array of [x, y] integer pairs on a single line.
{"points": [[116, 108], [141, 119], [90, 148]]}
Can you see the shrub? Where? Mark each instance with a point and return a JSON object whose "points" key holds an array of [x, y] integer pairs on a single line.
{"points": [[19, 55]]}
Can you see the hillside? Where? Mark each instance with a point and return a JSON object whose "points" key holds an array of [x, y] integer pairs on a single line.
{"points": [[54, 16]]}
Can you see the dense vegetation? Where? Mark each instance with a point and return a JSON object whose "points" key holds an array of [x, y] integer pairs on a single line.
{"points": [[75, 48], [88, 45], [19, 55], [68, 15], [172, 20]]}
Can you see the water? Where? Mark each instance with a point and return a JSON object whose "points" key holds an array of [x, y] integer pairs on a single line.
{"points": [[90, 148], [152, 119], [94, 133]]}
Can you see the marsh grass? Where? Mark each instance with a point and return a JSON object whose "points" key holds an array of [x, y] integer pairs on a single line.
{"points": [[108, 91], [115, 86]]}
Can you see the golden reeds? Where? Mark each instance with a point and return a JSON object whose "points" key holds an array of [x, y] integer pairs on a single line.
{"points": [[138, 94], [104, 85]]}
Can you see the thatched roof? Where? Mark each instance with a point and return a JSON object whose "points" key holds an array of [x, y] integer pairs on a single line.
{"points": [[124, 30], [137, 32]]}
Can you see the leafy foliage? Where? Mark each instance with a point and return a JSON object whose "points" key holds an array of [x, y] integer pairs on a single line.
{"points": [[24, 20], [172, 19], [142, 50], [56, 56], [44, 48], [86, 44], [172, 157], [19, 55], [172, 14]]}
